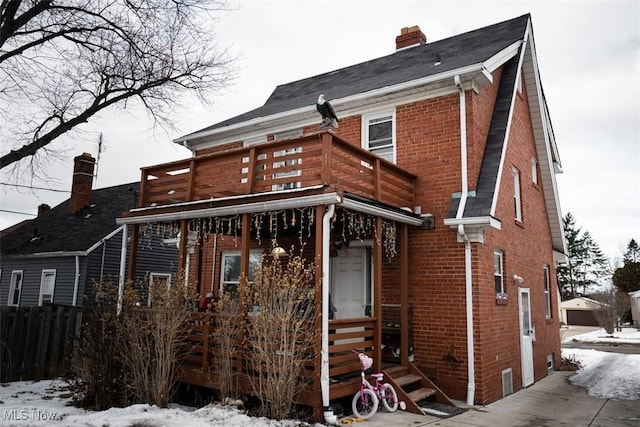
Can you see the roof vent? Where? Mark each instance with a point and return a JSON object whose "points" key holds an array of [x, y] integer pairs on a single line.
{"points": [[409, 37]]}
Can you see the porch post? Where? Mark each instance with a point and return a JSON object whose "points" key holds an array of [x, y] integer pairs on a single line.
{"points": [[319, 320], [182, 250], [244, 272], [133, 252], [404, 294], [377, 296]]}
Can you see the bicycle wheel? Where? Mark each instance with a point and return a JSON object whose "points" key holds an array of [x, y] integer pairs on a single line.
{"points": [[364, 404], [389, 397]]}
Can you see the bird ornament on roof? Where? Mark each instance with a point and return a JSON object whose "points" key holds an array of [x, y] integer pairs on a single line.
{"points": [[329, 118]]}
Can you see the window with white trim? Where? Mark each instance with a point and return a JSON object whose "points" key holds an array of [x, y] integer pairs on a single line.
{"points": [[534, 171], [230, 270], [517, 201], [158, 281], [245, 169], [498, 276], [296, 163], [47, 286], [378, 134], [547, 294], [15, 288]]}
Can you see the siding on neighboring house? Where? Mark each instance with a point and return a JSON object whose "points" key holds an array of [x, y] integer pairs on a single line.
{"points": [[32, 268]]}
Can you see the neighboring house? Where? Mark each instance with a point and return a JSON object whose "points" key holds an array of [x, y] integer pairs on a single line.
{"points": [[634, 297], [57, 257], [579, 311], [432, 211]]}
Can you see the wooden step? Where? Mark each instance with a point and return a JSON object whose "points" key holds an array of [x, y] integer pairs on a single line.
{"points": [[407, 380], [420, 394], [397, 371]]}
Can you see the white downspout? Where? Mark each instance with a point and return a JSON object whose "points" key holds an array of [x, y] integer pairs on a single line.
{"points": [[329, 416], [76, 282], [123, 263], [471, 384]]}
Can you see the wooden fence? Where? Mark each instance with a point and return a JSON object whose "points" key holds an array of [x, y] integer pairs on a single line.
{"points": [[37, 342]]}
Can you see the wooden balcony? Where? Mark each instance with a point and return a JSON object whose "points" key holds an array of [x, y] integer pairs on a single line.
{"points": [[314, 160]]}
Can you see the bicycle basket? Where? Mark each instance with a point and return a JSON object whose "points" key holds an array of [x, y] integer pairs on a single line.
{"points": [[365, 361]]}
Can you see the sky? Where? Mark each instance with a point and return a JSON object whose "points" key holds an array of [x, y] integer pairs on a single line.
{"points": [[46, 403], [588, 55]]}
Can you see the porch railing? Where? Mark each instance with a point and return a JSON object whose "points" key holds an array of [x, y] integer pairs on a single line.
{"points": [[202, 347], [316, 159]]}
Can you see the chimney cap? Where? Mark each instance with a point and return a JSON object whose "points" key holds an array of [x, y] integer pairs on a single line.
{"points": [[410, 36]]}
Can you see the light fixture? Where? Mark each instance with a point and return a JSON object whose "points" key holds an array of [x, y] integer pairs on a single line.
{"points": [[278, 251], [517, 279]]}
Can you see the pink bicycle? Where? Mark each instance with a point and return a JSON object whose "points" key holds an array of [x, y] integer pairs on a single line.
{"points": [[365, 402]]}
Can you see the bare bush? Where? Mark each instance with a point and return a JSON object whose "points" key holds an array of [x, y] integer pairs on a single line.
{"points": [[280, 332], [151, 340], [227, 332], [130, 357], [604, 309]]}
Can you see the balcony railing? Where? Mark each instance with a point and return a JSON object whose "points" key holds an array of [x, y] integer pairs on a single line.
{"points": [[311, 160]]}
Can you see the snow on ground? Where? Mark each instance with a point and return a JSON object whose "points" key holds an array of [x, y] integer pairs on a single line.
{"points": [[47, 403], [604, 374]]}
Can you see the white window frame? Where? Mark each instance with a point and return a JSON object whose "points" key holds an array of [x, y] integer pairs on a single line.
{"points": [[15, 286], [257, 262], [279, 136], [152, 278], [367, 120], [546, 277], [517, 196], [43, 283], [262, 139], [498, 271], [534, 171]]}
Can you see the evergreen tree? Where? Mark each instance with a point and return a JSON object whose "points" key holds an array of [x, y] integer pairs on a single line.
{"points": [[627, 277], [586, 264]]}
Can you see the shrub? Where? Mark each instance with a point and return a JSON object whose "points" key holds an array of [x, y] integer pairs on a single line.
{"points": [[280, 332]]}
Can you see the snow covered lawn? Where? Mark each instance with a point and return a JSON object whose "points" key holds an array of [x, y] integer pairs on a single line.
{"points": [[46, 403]]}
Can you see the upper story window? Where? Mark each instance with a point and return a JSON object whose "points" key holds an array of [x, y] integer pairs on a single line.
{"points": [[498, 272], [15, 288], [47, 286], [230, 274], [517, 201], [534, 171], [292, 165], [378, 134], [547, 294]]}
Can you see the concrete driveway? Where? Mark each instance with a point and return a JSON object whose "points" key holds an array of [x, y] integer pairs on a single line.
{"points": [[552, 402]]}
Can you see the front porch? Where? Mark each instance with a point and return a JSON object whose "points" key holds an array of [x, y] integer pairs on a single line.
{"points": [[315, 192]]}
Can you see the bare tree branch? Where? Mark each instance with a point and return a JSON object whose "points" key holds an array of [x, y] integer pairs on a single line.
{"points": [[61, 64]]}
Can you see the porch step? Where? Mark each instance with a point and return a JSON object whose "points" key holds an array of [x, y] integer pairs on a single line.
{"points": [[412, 386]]}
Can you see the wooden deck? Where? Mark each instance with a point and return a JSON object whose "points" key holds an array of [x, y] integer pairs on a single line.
{"points": [[304, 162], [201, 350]]}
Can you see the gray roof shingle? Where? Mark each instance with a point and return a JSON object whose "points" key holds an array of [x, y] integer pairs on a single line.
{"points": [[60, 231], [402, 66]]}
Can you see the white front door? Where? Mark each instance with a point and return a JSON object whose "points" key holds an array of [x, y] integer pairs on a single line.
{"points": [[349, 282], [526, 337]]}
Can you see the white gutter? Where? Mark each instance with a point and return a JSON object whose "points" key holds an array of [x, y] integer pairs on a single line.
{"points": [[329, 416], [298, 202], [76, 282], [381, 212], [123, 262], [471, 382]]}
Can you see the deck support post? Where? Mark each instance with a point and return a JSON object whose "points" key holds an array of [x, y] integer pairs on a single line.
{"points": [[404, 294], [377, 296]]}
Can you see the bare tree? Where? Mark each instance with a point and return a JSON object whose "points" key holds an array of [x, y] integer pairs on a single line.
{"points": [[63, 62]]}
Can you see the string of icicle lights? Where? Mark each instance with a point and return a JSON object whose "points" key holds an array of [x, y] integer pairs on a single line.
{"points": [[268, 225]]}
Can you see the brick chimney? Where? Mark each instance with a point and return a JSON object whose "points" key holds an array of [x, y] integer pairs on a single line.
{"points": [[83, 166], [43, 208], [409, 37]]}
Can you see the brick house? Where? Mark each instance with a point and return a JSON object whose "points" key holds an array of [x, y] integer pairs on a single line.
{"points": [[432, 210]]}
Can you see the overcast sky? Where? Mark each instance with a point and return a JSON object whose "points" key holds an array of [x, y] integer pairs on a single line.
{"points": [[588, 56]]}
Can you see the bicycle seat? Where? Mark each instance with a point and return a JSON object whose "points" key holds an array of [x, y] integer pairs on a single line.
{"points": [[378, 376]]}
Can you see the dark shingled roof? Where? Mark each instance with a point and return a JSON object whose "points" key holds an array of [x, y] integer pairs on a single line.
{"points": [[480, 205], [402, 66], [60, 231]]}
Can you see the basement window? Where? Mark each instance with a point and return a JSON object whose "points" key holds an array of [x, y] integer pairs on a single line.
{"points": [[507, 382]]}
